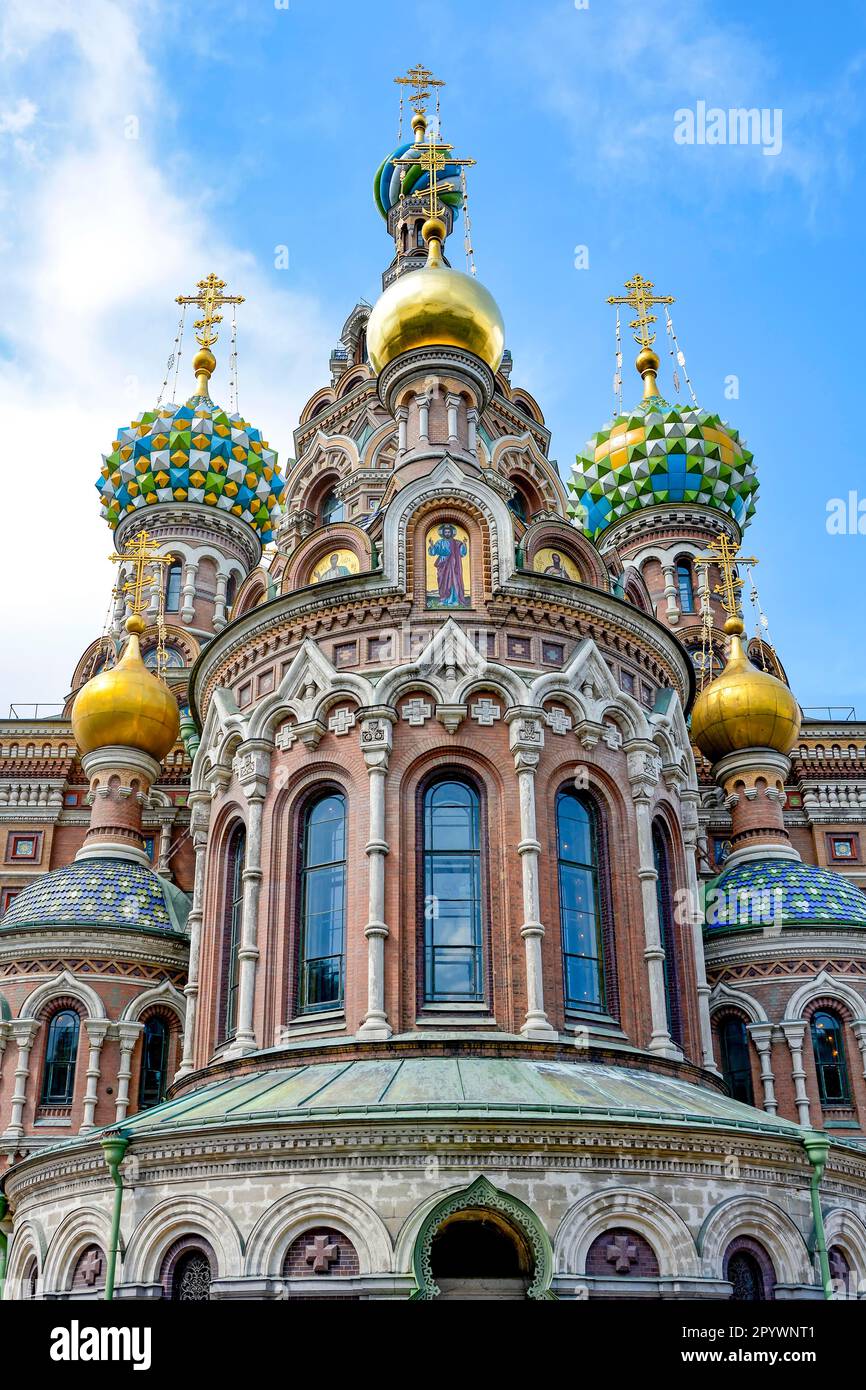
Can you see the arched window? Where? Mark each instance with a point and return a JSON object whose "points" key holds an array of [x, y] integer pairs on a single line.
{"points": [[518, 505], [580, 906], [453, 939], [829, 1047], [154, 1062], [231, 590], [667, 929], [332, 508], [191, 1278], [684, 585], [323, 904], [750, 1271], [61, 1051], [735, 1058], [234, 909], [173, 582]]}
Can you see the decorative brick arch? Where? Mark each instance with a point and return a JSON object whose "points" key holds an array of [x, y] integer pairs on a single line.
{"points": [[626, 1208], [482, 1196], [342, 535], [319, 1208]]}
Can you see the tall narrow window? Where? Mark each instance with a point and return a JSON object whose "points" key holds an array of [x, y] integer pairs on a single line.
{"points": [[173, 582], [154, 1063], [453, 953], [232, 929], [735, 1058], [667, 930], [577, 834], [60, 1053], [332, 509], [830, 1062], [684, 584], [231, 590], [323, 904]]}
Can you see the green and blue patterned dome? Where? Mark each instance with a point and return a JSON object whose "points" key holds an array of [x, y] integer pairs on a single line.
{"points": [[745, 896], [192, 453], [99, 893], [392, 181], [660, 453]]}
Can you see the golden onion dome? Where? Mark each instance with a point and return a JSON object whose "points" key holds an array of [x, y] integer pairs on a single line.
{"points": [[744, 707], [127, 705], [435, 307]]}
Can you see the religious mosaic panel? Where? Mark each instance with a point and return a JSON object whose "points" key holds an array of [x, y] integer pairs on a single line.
{"points": [[555, 564], [338, 564], [448, 574]]}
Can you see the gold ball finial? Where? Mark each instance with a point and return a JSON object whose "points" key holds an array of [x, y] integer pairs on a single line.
{"points": [[204, 362], [647, 360], [434, 229], [127, 705], [734, 627], [419, 126], [135, 624], [744, 707]]}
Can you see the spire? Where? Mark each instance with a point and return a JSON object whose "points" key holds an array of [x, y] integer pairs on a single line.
{"points": [[210, 297], [640, 297]]}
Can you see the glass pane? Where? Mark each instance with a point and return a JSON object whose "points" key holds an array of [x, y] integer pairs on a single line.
{"points": [[574, 825], [326, 831], [455, 925], [581, 982], [577, 890], [324, 890], [453, 973], [324, 981]]}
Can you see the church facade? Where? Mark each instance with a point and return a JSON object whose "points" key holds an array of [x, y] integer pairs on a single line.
{"points": [[427, 889]]}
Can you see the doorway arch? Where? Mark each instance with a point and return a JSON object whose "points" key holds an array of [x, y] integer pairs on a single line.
{"points": [[482, 1243]]}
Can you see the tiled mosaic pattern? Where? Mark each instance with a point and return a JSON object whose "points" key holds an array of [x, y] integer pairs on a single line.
{"points": [[807, 894], [94, 892], [192, 453], [389, 176], [662, 453]]}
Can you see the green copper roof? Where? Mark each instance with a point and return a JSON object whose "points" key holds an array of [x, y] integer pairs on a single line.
{"points": [[452, 1087]]}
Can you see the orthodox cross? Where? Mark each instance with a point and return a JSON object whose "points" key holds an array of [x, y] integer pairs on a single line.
{"points": [[420, 79], [143, 557], [433, 155], [322, 1254], [726, 557], [640, 297], [621, 1253], [91, 1266], [210, 297]]}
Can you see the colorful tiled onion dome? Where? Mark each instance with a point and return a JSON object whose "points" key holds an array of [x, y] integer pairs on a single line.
{"points": [[393, 181], [808, 896], [192, 453], [99, 893], [659, 453]]}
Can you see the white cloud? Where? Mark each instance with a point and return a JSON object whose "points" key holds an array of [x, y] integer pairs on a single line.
{"points": [[18, 117], [100, 236]]}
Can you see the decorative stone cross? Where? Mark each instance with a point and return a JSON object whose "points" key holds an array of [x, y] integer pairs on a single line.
{"points": [[612, 736], [620, 1253], [286, 736], [322, 1254], [417, 711], [559, 721], [485, 712], [91, 1266], [342, 721]]}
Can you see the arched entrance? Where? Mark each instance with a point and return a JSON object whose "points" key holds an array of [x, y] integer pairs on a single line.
{"points": [[482, 1244]]}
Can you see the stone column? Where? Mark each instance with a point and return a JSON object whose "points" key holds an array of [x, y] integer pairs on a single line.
{"points": [[4, 1038], [423, 403], [377, 734], [643, 774], [762, 1036], [219, 608], [689, 826], [96, 1029], [252, 769], [127, 1034], [402, 417], [165, 820], [526, 740], [200, 809], [24, 1031], [451, 404], [858, 1028], [795, 1031], [472, 431], [671, 593], [187, 599]]}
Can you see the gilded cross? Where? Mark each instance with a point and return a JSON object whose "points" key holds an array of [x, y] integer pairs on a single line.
{"points": [[420, 79], [210, 297], [640, 297], [142, 555], [726, 557], [433, 155]]}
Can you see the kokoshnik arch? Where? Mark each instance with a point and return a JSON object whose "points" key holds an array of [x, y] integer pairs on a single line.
{"points": [[374, 854]]}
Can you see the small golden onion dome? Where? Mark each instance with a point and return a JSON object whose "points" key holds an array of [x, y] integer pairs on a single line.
{"points": [[127, 705], [435, 307], [744, 707]]}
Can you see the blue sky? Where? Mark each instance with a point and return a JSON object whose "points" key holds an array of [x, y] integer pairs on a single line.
{"points": [[259, 126]]}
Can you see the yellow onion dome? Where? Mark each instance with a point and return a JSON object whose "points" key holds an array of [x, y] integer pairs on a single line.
{"points": [[435, 307], [127, 705], [744, 707]]}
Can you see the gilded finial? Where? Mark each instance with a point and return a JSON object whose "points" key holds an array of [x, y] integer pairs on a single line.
{"points": [[145, 561], [726, 557], [433, 156], [420, 79], [209, 299], [641, 298]]}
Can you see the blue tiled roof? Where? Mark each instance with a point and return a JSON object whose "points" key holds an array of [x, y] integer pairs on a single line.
{"points": [[99, 893], [767, 891]]}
